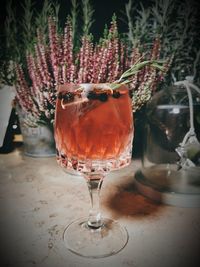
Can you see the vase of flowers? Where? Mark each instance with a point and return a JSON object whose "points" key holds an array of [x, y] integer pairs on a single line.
{"points": [[38, 140], [55, 61]]}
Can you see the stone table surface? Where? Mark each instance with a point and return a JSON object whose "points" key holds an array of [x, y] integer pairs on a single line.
{"points": [[38, 199]]}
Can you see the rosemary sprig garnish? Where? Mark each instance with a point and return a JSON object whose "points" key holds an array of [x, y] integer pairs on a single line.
{"points": [[127, 76]]}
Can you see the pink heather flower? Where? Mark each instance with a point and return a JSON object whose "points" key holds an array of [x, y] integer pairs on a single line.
{"points": [[85, 58], [43, 62], [155, 52], [101, 72], [56, 63], [24, 96], [54, 48], [67, 51]]}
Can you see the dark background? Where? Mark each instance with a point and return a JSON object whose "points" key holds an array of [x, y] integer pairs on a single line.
{"points": [[103, 11]]}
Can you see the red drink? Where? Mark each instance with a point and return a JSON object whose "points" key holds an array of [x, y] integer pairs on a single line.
{"points": [[93, 123], [93, 133]]}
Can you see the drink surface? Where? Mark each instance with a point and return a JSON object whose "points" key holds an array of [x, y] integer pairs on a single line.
{"points": [[95, 123]]}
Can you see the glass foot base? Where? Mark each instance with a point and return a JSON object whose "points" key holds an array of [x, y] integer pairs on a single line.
{"points": [[95, 243]]}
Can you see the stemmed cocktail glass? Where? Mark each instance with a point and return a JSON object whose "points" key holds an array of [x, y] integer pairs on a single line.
{"points": [[93, 133]]}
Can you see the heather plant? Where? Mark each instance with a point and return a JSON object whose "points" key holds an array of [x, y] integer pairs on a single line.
{"points": [[41, 18], [56, 62], [19, 34]]}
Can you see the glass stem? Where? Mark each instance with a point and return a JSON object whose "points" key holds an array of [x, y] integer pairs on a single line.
{"points": [[94, 183]]}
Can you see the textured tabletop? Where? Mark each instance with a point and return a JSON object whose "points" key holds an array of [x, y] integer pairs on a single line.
{"points": [[38, 199]]}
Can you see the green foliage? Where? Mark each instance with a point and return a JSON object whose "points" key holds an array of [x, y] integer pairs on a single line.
{"points": [[129, 74], [88, 12], [74, 19], [138, 28], [9, 49], [176, 23], [20, 34], [41, 20], [27, 26], [81, 13]]}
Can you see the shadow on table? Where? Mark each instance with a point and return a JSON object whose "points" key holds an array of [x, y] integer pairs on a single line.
{"points": [[125, 201]]}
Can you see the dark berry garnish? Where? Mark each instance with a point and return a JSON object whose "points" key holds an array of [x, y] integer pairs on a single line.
{"points": [[103, 97], [116, 94], [60, 95], [74, 164], [62, 156], [92, 96], [68, 96], [130, 93]]}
